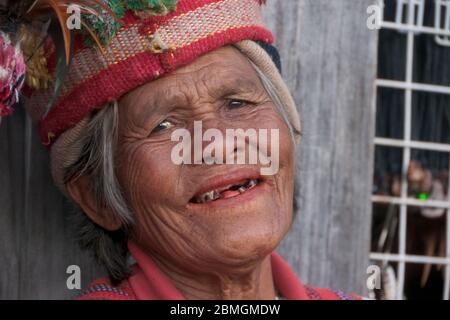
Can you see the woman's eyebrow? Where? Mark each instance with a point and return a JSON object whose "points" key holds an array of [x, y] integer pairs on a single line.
{"points": [[161, 101], [151, 105], [236, 85], [219, 86]]}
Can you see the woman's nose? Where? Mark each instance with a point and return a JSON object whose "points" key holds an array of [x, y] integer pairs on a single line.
{"points": [[213, 142]]}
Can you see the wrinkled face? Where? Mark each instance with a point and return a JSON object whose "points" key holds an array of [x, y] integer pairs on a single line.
{"points": [[177, 218]]}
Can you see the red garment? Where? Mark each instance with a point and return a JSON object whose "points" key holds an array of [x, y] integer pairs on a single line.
{"points": [[148, 282]]}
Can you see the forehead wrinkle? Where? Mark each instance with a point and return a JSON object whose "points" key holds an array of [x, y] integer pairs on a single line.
{"points": [[229, 70], [182, 89], [220, 83], [235, 84]]}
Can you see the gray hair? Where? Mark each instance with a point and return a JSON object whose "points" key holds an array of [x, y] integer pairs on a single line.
{"points": [[99, 142], [96, 161]]}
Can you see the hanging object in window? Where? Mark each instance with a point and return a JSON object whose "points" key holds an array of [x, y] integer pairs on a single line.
{"points": [[442, 21]]}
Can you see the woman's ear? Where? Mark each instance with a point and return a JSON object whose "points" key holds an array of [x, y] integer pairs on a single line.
{"points": [[81, 192]]}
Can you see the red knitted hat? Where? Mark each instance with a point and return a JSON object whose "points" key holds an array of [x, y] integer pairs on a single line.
{"points": [[144, 49]]}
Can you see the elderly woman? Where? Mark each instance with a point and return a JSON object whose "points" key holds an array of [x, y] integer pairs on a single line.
{"points": [[195, 230]]}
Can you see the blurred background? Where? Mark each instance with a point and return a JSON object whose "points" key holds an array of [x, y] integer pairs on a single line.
{"points": [[372, 168]]}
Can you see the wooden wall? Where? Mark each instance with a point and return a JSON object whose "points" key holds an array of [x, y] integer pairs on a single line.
{"points": [[330, 60], [329, 63], [36, 241]]}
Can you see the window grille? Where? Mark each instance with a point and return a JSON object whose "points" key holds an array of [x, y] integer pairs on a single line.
{"points": [[409, 20]]}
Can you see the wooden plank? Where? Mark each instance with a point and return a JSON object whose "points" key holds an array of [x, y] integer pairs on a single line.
{"points": [[329, 58], [37, 244], [11, 204]]}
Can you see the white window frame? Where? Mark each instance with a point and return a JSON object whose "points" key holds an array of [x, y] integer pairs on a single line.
{"points": [[441, 31]]}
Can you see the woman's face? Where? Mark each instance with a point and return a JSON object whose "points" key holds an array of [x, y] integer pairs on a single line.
{"points": [[204, 216]]}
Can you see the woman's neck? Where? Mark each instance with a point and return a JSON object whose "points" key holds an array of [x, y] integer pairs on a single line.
{"points": [[256, 283]]}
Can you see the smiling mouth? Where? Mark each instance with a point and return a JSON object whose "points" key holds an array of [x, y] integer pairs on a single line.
{"points": [[230, 191]]}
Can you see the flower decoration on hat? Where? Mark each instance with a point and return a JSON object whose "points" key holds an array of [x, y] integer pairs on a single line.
{"points": [[37, 38], [12, 74], [106, 26]]}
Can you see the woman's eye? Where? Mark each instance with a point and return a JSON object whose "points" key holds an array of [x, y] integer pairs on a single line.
{"points": [[166, 124], [235, 104]]}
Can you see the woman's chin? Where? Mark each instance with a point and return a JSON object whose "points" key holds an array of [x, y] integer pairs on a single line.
{"points": [[247, 248], [251, 236]]}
